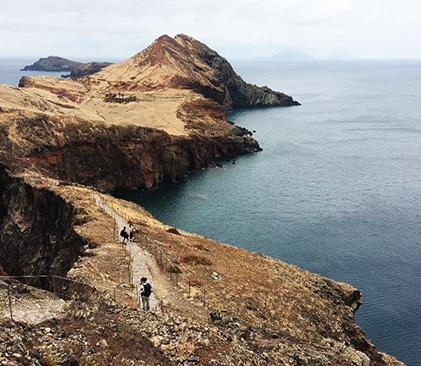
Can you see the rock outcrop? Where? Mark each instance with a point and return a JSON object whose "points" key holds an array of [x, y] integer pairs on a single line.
{"points": [[59, 64], [52, 63], [87, 69], [37, 229]]}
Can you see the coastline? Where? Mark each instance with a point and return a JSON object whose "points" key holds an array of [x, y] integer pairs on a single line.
{"points": [[53, 163]]}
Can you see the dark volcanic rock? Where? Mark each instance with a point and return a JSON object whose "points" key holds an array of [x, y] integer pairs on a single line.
{"points": [[59, 64], [36, 229], [106, 155], [52, 63], [87, 69]]}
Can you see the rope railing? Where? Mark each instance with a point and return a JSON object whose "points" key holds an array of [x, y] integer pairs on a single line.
{"points": [[161, 258], [64, 287], [9, 297], [69, 288]]}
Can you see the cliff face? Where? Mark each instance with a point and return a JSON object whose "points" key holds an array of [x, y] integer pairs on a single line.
{"points": [[138, 116], [287, 316], [87, 69], [36, 229], [112, 157]]}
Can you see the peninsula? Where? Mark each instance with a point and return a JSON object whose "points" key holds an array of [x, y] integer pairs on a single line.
{"points": [[65, 145]]}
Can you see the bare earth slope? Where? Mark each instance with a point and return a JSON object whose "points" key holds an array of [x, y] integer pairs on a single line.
{"points": [[132, 125]]}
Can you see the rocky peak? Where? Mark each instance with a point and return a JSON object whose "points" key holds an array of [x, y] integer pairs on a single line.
{"points": [[186, 63]]}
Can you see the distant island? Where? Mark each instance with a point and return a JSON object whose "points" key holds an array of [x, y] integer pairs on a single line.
{"points": [[60, 64], [292, 54]]}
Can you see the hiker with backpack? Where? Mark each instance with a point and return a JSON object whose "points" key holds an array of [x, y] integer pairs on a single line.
{"points": [[124, 234], [145, 292]]}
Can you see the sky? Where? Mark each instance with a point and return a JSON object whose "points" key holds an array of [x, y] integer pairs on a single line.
{"points": [[101, 30]]}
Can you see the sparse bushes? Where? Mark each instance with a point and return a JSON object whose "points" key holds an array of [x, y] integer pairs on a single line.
{"points": [[174, 269], [197, 259], [118, 98], [173, 230]]}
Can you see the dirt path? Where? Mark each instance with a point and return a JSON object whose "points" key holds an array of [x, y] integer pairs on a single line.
{"points": [[143, 264]]}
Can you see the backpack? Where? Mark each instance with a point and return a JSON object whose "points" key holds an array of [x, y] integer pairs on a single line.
{"points": [[147, 289]]}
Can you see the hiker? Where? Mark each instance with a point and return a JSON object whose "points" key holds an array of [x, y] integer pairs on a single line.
{"points": [[124, 235], [145, 292], [132, 231]]}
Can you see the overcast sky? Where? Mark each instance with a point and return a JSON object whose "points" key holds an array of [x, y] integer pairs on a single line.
{"points": [[117, 29]]}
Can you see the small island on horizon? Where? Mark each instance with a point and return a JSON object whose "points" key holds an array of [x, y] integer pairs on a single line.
{"points": [[60, 64]]}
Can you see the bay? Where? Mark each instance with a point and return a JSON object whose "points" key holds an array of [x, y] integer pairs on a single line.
{"points": [[336, 189]]}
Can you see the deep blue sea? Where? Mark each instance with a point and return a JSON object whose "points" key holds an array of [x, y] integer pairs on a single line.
{"points": [[336, 189], [10, 73]]}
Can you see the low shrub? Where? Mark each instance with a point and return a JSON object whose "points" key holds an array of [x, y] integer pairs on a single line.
{"points": [[197, 259]]}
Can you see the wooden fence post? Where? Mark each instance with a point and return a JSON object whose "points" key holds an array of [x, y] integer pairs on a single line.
{"points": [[129, 269], [10, 303]]}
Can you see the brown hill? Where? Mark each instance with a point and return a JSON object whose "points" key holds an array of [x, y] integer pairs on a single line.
{"points": [[185, 63], [132, 125]]}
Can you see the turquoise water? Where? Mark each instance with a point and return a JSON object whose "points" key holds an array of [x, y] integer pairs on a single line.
{"points": [[336, 190]]}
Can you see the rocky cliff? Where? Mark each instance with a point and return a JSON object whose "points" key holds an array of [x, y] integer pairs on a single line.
{"points": [[52, 63], [132, 125], [218, 314], [87, 69], [37, 234]]}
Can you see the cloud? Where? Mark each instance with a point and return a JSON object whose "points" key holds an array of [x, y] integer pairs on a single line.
{"points": [[119, 29]]}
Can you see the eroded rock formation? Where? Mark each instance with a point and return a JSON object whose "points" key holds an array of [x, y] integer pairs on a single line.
{"points": [[37, 229]]}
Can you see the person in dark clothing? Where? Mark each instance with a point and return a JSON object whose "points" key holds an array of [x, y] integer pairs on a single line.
{"points": [[145, 292], [124, 235]]}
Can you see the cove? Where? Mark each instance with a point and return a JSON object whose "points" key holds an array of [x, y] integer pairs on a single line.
{"points": [[336, 189]]}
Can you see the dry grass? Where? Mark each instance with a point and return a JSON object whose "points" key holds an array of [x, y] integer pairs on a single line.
{"points": [[196, 259]]}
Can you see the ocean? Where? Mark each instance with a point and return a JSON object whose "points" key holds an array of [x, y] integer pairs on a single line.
{"points": [[10, 73], [336, 189]]}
